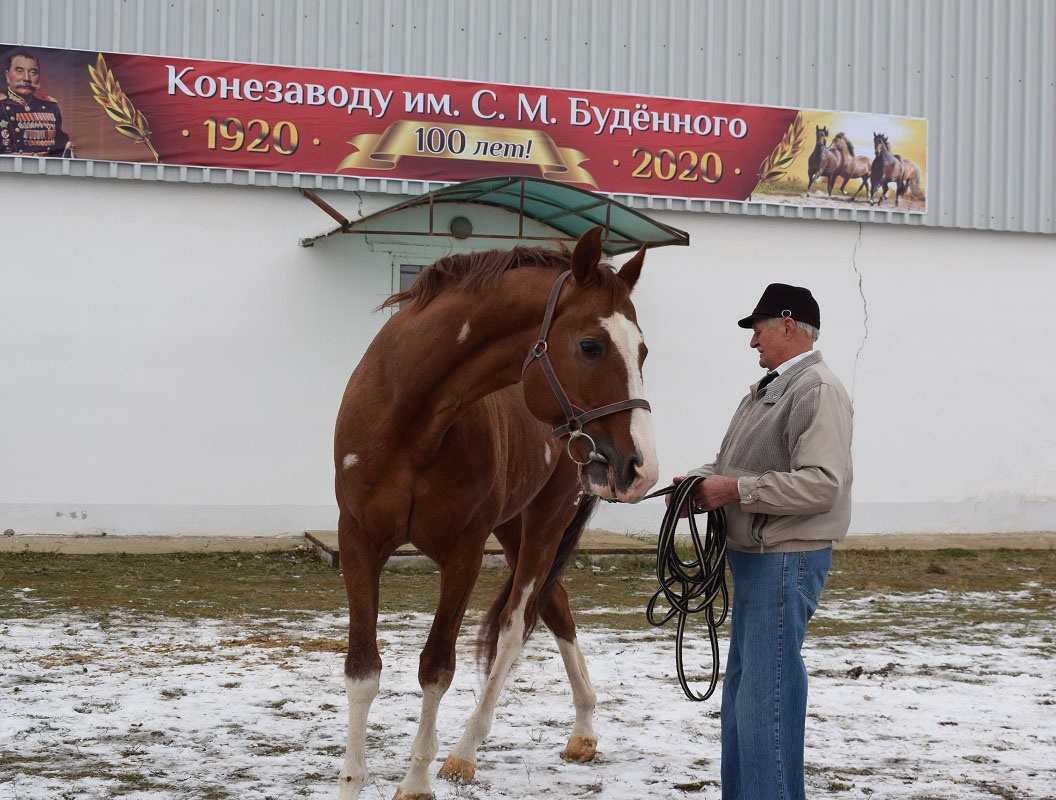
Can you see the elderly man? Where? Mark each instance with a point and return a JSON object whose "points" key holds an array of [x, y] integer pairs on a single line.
{"points": [[783, 474], [30, 124]]}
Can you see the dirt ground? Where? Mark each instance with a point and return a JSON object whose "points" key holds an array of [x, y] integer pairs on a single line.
{"points": [[819, 198]]}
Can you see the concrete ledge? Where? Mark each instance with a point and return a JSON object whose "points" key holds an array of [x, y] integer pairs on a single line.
{"points": [[940, 541], [595, 544]]}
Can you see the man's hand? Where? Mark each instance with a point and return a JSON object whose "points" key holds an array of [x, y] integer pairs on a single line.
{"points": [[714, 492]]}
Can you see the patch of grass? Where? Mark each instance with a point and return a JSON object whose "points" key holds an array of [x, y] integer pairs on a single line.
{"points": [[235, 585], [217, 585]]}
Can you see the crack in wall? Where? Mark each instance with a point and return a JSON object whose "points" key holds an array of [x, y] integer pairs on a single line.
{"points": [[865, 310]]}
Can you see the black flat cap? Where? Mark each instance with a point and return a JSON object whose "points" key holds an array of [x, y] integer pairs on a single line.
{"points": [[782, 300]]}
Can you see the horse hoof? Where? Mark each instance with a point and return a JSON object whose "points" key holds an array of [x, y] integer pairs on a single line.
{"points": [[580, 749], [457, 769], [402, 795]]}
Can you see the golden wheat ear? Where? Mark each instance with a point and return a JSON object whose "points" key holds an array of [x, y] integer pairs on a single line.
{"points": [[776, 164], [108, 94]]}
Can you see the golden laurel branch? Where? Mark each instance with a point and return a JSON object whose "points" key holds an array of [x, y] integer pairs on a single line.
{"points": [[108, 94], [776, 164]]}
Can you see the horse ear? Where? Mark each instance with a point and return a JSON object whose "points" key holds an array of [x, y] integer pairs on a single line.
{"points": [[631, 271], [587, 256]]}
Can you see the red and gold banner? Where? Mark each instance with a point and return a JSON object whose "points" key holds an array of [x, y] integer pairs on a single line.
{"points": [[120, 107]]}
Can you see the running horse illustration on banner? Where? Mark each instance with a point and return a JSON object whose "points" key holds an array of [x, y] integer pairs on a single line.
{"points": [[889, 168], [504, 396], [824, 162], [851, 165]]}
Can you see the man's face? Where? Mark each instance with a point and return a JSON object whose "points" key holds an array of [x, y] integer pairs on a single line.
{"points": [[23, 76], [772, 343]]}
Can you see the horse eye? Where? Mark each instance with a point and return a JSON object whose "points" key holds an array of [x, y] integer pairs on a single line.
{"points": [[591, 348]]}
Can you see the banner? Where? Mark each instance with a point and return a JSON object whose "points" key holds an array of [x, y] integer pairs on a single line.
{"points": [[121, 107]]}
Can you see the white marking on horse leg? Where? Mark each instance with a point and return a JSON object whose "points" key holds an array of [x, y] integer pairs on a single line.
{"points": [[583, 697], [511, 641], [361, 694], [464, 333], [627, 338], [350, 460], [426, 743]]}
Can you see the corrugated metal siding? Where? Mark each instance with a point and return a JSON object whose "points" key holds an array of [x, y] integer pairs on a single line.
{"points": [[982, 72]]}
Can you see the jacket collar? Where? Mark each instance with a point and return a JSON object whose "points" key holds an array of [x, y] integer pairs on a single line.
{"points": [[778, 384]]}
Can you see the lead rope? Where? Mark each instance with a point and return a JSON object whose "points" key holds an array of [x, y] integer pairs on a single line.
{"points": [[690, 587]]}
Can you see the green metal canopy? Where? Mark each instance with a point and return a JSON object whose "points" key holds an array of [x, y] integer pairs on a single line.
{"points": [[567, 209]]}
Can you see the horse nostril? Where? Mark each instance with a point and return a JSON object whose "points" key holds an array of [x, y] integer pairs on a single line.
{"points": [[633, 469]]}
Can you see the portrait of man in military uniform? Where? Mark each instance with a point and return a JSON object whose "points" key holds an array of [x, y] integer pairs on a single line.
{"points": [[30, 123]]}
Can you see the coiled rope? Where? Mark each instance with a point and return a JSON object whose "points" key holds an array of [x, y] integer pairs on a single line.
{"points": [[689, 587]]}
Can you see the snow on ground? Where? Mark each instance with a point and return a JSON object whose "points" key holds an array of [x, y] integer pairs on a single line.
{"points": [[133, 707]]}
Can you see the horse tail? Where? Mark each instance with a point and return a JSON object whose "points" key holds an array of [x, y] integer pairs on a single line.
{"points": [[488, 634], [914, 185]]}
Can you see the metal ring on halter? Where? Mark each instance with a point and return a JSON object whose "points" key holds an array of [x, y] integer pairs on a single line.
{"points": [[592, 456], [540, 349]]}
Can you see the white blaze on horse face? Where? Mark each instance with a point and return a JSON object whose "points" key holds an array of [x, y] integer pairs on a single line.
{"points": [[350, 460], [548, 453], [628, 340], [464, 333]]}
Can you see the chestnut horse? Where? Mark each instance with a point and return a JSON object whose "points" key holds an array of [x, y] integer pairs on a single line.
{"points": [[452, 427], [890, 167], [851, 166], [823, 162]]}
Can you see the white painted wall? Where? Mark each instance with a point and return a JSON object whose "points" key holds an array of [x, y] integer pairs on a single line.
{"points": [[172, 361]]}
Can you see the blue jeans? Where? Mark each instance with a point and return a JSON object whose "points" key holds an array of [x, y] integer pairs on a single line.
{"points": [[764, 692]]}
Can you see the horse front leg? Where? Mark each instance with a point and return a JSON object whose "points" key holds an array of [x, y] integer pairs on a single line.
{"points": [[361, 572], [883, 193], [461, 764], [436, 668], [557, 616]]}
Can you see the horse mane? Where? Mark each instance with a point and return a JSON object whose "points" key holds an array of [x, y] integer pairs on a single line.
{"points": [[479, 270], [842, 135]]}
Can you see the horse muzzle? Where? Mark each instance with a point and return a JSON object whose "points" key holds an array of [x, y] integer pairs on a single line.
{"points": [[618, 479]]}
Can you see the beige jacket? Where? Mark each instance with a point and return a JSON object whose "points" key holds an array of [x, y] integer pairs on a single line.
{"points": [[790, 448]]}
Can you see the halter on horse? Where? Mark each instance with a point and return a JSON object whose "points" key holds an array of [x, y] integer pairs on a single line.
{"points": [[448, 433]]}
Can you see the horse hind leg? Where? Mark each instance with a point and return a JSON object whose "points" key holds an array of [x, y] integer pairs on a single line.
{"points": [[900, 190]]}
